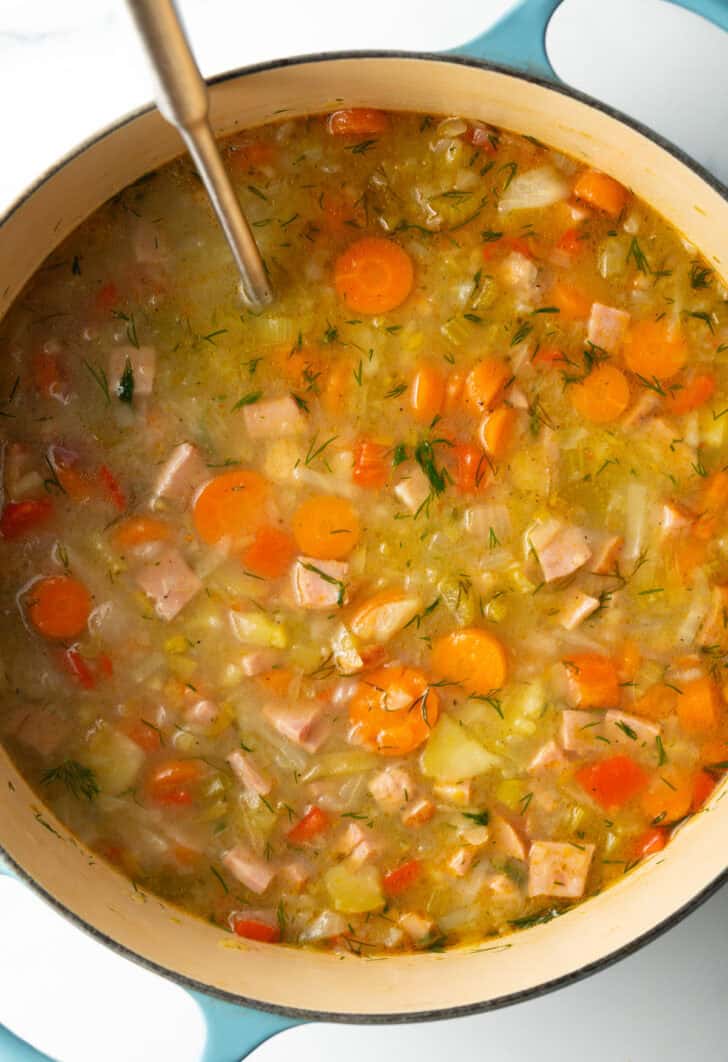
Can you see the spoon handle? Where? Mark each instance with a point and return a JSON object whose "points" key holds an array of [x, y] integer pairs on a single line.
{"points": [[183, 100]]}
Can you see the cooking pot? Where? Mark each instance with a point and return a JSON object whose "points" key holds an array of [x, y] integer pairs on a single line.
{"points": [[284, 986]]}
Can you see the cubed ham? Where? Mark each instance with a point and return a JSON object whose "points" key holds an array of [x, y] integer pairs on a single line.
{"points": [[607, 327], [645, 407], [392, 788], [143, 362], [461, 861], [458, 793], [303, 723], [249, 774], [257, 661], [39, 729], [180, 475], [675, 517], [295, 874], [506, 838], [170, 582], [274, 418], [558, 869], [348, 838], [580, 731], [550, 757], [366, 849], [419, 929], [577, 607], [632, 731], [327, 925], [319, 584], [412, 488], [560, 548], [202, 715], [418, 812], [605, 553], [247, 868]]}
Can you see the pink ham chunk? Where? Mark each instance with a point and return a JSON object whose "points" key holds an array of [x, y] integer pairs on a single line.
{"points": [[358, 843], [506, 838], [314, 591], [560, 548], [249, 774], [605, 553], [170, 582], [143, 362], [304, 723], [251, 871], [580, 731], [257, 661], [577, 607], [392, 788], [275, 418], [607, 327], [180, 475], [419, 929], [631, 731], [550, 757], [556, 869]]}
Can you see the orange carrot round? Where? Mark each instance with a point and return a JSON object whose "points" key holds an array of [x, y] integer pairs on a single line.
{"points": [[601, 192], [270, 553], [655, 350], [427, 393], [602, 396], [484, 384], [373, 275], [690, 395], [326, 527], [59, 606], [497, 431], [230, 504], [358, 121], [394, 710], [669, 794], [472, 657]]}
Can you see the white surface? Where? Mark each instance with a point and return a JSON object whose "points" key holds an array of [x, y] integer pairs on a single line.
{"points": [[68, 68]]}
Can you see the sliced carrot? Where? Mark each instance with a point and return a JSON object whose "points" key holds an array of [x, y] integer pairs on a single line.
{"points": [[253, 930], [172, 782], [714, 753], [358, 121], [23, 517], [313, 823], [655, 349], [277, 681], [656, 703], [142, 734], [231, 504], [601, 192], [691, 395], [77, 668], [649, 842], [326, 527], [427, 393], [472, 470], [485, 383], [498, 430], [137, 530], [594, 680], [602, 396], [690, 553], [713, 505], [703, 785], [403, 877], [337, 385], [59, 606], [373, 275], [698, 707], [378, 720], [628, 660], [371, 467], [472, 657], [572, 303], [571, 242], [612, 782], [111, 486], [669, 794], [270, 553]]}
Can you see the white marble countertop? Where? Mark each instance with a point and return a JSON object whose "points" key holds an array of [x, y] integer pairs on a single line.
{"points": [[67, 69]]}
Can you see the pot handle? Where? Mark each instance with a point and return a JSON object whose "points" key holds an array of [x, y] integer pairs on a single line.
{"points": [[518, 39]]}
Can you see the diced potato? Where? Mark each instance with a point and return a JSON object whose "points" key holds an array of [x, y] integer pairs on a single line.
{"points": [[256, 628], [452, 754], [115, 760], [354, 891]]}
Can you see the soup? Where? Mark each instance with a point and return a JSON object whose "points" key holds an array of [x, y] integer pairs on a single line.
{"points": [[393, 617]]}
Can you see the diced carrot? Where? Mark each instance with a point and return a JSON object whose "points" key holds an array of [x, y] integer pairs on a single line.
{"points": [[668, 795], [573, 304], [231, 504], [326, 527], [358, 121], [248, 155], [171, 782], [628, 660], [276, 682], [612, 782], [485, 383], [371, 467], [107, 297], [403, 877], [142, 734], [454, 388], [337, 386], [373, 275], [691, 395], [698, 706], [714, 753], [656, 703], [76, 666], [649, 842], [23, 517], [394, 710], [472, 470], [260, 931], [703, 785], [549, 356], [601, 192], [571, 242], [690, 553], [137, 530], [713, 506], [270, 553], [472, 657], [59, 606], [602, 396], [498, 431], [427, 393], [655, 349], [48, 376], [112, 488], [594, 679], [313, 823]]}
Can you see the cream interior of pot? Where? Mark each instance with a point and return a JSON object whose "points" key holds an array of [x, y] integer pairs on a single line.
{"points": [[158, 933]]}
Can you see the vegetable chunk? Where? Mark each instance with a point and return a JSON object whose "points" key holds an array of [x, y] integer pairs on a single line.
{"points": [[560, 870]]}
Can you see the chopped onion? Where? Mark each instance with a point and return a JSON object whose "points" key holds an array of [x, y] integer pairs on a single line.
{"points": [[635, 520], [534, 189]]}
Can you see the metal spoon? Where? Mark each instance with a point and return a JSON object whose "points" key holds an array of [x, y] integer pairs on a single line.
{"points": [[182, 99]]}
